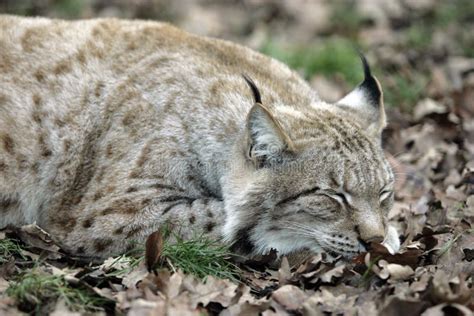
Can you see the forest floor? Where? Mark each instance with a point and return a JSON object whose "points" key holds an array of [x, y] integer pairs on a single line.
{"points": [[423, 54]]}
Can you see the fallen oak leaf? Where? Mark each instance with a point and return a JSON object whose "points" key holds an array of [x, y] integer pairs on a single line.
{"points": [[443, 289], [138, 273], [407, 257], [290, 297], [35, 236], [395, 272], [153, 249], [311, 264], [332, 275], [284, 273]]}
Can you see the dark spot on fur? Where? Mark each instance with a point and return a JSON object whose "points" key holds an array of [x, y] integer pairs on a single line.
{"points": [[22, 162], [119, 230], [128, 118], [80, 250], [102, 244], [39, 75], [210, 226], [133, 232], [123, 206], [36, 100], [165, 186], [98, 88], [110, 189], [81, 57], [35, 167], [8, 143], [67, 145], [3, 166], [46, 153], [109, 150], [59, 122], [209, 214], [131, 190], [174, 198], [107, 211], [66, 222], [62, 67], [98, 195], [3, 98], [192, 219], [7, 202], [135, 174], [36, 116], [87, 223], [44, 150]]}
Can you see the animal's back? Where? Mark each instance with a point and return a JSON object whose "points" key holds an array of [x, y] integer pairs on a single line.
{"points": [[110, 129], [100, 116]]}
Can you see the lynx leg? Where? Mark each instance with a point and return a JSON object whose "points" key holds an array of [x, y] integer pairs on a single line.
{"points": [[123, 223]]}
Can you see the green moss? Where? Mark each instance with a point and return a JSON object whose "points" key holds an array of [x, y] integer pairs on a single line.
{"points": [[10, 248], [35, 290], [454, 11], [332, 58], [403, 92], [69, 8], [345, 19], [418, 36]]}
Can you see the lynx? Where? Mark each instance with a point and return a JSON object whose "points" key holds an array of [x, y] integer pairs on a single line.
{"points": [[110, 129]]}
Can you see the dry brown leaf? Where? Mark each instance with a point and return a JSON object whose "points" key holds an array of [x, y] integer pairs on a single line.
{"points": [[290, 297], [332, 275], [36, 237], [451, 290], [153, 249], [136, 275], [284, 273], [396, 272]]}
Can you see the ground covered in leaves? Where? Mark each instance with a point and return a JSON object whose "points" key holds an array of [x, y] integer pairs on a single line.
{"points": [[422, 52]]}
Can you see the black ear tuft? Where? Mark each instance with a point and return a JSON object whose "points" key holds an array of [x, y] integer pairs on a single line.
{"points": [[256, 94], [370, 85], [365, 64], [367, 99]]}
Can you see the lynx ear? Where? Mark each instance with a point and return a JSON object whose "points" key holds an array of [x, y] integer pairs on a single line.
{"points": [[367, 99], [267, 141]]}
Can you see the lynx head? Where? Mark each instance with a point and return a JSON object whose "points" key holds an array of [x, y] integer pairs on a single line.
{"points": [[313, 179]]}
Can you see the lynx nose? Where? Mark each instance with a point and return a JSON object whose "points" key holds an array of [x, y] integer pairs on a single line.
{"points": [[375, 239], [370, 234]]}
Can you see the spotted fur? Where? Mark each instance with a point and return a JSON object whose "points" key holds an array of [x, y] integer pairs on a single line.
{"points": [[110, 129]]}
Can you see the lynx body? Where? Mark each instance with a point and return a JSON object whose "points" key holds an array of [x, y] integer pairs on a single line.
{"points": [[110, 129]]}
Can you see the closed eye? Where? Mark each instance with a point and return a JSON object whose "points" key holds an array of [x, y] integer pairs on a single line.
{"points": [[339, 196], [385, 194]]}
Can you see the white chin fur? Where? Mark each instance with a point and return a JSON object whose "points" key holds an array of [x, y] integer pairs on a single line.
{"points": [[391, 241]]}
